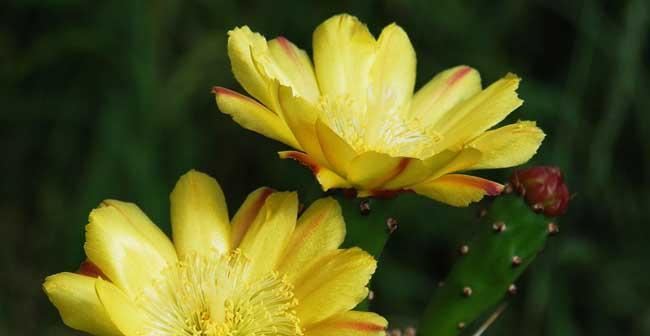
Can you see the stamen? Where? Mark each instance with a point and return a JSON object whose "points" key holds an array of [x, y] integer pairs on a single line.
{"points": [[394, 134], [211, 295]]}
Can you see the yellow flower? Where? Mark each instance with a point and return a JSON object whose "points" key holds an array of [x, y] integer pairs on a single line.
{"points": [[354, 120], [265, 272]]}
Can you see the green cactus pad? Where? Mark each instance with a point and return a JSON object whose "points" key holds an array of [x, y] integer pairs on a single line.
{"points": [[508, 239]]}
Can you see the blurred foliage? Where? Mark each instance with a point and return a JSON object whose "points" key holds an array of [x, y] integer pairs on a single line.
{"points": [[111, 99]]}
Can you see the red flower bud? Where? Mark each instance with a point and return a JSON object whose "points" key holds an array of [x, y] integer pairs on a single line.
{"points": [[543, 188]]}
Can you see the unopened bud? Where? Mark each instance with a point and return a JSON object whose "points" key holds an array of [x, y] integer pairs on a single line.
{"points": [[543, 188]]}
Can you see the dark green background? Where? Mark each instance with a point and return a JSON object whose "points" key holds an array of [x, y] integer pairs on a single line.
{"points": [[111, 99]]}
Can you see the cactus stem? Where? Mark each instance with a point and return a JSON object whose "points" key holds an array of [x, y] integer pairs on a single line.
{"points": [[553, 229], [512, 289], [391, 223], [516, 261], [499, 227], [464, 250], [467, 291], [364, 207], [461, 325]]}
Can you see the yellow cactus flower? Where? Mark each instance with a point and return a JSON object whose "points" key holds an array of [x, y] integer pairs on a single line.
{"points": [[265, 272], [354, 120]]}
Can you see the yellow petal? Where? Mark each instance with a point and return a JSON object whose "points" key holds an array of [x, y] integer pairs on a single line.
{"points": [[120, 308], [352, 323], [477, 114], [392, 76], [269, 234], [327, 178], [320, 229], [296, 67], [75, 298], [508, 146], [243, 46], [344, 52], [301, 116], [333, 284], [414, 172], [371, 170], [446, 90], [126, 245], [199, 215], [253, 116], [337, 152], [247, 213], [458, 190], [449, 162]]}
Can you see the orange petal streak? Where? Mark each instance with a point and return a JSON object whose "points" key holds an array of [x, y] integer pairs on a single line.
{"points": [[303, 158], [88, 268], [491, 188], [360, 326]]}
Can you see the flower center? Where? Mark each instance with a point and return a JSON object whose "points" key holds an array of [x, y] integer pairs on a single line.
{"points": [[211, 295], [393, 133]]}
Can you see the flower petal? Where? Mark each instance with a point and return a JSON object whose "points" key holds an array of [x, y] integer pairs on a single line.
{"points": [[320, 230], [392, 76], [75, 298], [449, 161], [371, 170], [199, 215], [457, 189], [296, 67], [415, 171], [243, 47], [327, 178], [446, 90], [508, 146], [253, 116], [120, 308], [301, 116], [475, 115], [351, 323], [336, 151], [270, 233], [126, 245], [332, 285], [247, 213], [344, 51]]}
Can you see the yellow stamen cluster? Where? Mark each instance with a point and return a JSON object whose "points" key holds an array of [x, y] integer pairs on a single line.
{"points": [[212, 295]]}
